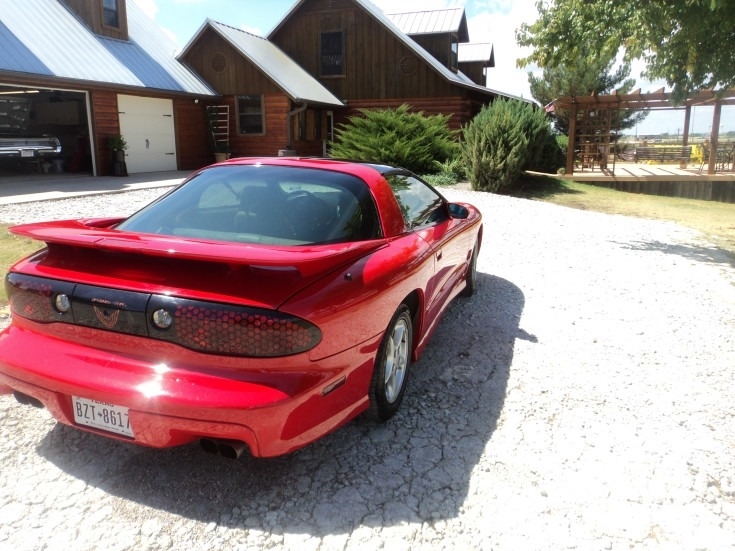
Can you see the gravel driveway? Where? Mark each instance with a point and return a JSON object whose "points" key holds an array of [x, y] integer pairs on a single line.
{"points": [[583, 399]]}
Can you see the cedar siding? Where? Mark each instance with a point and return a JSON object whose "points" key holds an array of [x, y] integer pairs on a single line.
{"points": [[377, 64], [90, 11], [231, 74]]}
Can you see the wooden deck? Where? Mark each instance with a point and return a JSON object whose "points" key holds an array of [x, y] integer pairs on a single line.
{"points": [[661, 179]]}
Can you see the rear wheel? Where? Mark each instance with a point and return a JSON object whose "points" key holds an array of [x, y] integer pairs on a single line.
{"points": [[390, 374]]}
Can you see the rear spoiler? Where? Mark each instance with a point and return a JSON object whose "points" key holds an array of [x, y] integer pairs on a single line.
{"points": [[100, 234]]}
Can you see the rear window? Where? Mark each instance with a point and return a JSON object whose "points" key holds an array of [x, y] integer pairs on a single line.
{"points": [[264, 204]]}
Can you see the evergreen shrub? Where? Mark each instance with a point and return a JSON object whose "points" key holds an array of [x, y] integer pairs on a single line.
{"points": [[504, 139], [397, 137]]}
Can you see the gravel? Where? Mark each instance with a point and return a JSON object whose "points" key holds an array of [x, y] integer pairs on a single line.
{"points": [[582, 399]]}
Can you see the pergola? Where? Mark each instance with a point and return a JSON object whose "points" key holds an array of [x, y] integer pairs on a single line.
{"points": [[584, 116]]}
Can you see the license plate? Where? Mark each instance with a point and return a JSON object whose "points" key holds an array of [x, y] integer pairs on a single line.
{"points": [[100, 415], [26, 153]]}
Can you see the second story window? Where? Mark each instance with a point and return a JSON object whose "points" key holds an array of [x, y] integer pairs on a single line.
{"points": [[110, 13], [454, 54], [332, 54]]}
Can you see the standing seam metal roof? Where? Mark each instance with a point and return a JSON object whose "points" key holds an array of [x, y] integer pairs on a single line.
{"points": [[289, 76], [432, 22], [60, 45]]}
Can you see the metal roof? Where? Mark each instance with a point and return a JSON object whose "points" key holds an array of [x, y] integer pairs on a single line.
{"points": [[433, 22], [477, 53], [59, 44], [456, 78], [290, 77]]}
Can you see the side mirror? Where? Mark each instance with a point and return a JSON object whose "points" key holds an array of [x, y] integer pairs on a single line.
{"points": [[458, 211]]}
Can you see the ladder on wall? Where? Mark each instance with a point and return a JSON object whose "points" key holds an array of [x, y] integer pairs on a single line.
{"points": [[218, 118]]}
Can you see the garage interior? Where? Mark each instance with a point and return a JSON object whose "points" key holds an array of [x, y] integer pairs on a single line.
{"points": [[29, 116]]}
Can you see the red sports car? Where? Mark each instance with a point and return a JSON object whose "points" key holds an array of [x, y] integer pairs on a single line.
{"points": [[259, 305]]}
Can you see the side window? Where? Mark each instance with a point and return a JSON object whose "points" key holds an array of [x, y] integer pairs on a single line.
{"points": [[419, 204], [250, 114]]}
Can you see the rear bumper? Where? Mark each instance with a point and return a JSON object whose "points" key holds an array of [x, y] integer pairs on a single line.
{"points": [[274, 406]]}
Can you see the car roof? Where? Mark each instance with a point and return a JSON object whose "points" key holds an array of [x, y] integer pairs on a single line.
{"points": [[327, 163]]}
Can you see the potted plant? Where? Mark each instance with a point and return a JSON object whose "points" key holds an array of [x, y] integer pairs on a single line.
{"points": [[117, 144], [221, 152]]}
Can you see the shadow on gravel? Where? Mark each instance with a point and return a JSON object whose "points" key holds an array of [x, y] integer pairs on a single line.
{"points": [[699, 253], [415, 468]]}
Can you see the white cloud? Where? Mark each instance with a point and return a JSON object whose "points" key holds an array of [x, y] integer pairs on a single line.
{"points": [[149, 7]]}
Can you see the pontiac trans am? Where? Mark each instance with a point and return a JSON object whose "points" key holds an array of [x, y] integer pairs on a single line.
{"points": [[258, 306]]}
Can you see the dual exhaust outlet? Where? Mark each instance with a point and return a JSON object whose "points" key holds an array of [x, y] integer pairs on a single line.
{"points": [[232, 449]]}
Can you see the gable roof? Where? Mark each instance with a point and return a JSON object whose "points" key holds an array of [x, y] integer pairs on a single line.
{"points": [[477, 53], [455, 78], [285, 73], [433, 22], [60, 45]]}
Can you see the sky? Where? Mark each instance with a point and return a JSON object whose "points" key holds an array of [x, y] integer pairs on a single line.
{"points": [[493, 21]]}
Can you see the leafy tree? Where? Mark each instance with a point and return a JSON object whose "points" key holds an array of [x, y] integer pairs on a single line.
{"points": [[689, 43], [397, 137], [588, 75]]}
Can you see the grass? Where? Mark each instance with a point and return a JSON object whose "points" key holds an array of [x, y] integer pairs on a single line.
{"points": [[12, 248], [714, 219]]}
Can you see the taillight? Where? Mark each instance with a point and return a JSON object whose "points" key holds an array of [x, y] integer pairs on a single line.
{"points": [[37, 298], [212, 328], [227, 329]]}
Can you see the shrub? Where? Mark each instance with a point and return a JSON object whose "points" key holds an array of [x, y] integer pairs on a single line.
{"points": [[397, 137], [440, 179], [504, 139]]}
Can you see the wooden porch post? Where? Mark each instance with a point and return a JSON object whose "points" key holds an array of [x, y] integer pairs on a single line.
{"points": [[687, 118], [572, 131], [714, 138]]}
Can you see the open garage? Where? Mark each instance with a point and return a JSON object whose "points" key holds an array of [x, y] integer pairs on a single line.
{"points": [[43, 131]]}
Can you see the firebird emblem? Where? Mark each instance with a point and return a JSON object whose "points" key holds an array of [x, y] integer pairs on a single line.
{"points": [[108, 320]]}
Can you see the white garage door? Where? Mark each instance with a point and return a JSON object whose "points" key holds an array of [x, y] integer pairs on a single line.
{"points": [[147, 124]]}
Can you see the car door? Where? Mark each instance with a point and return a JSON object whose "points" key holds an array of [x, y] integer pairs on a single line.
{"points": [[426, 214]]}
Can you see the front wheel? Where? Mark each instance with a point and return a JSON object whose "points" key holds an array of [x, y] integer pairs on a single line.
{"points": [[390, 374], [471, 277]]}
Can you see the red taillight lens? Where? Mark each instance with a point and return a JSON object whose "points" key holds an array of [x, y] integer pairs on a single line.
{"points": [[233, 330], [208, 327], [34, 298]]}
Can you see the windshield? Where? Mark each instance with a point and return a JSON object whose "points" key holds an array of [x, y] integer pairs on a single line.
{"points": [[264, 204]]}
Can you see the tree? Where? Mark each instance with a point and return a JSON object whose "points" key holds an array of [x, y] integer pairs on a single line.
{"points": [[688, 43], [588, 75]]}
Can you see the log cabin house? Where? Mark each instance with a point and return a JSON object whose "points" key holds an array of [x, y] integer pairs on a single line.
{"points": [[92, 69]]}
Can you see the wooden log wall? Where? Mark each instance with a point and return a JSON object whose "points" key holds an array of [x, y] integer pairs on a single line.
{"points": [[105, 122]]}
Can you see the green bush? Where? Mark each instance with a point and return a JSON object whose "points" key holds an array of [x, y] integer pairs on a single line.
{"points": [[503, 140], [397, 137], [440, 179]]}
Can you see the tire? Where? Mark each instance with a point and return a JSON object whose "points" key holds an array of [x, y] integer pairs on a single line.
{"points": [[471, 277], [390, 374]]}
